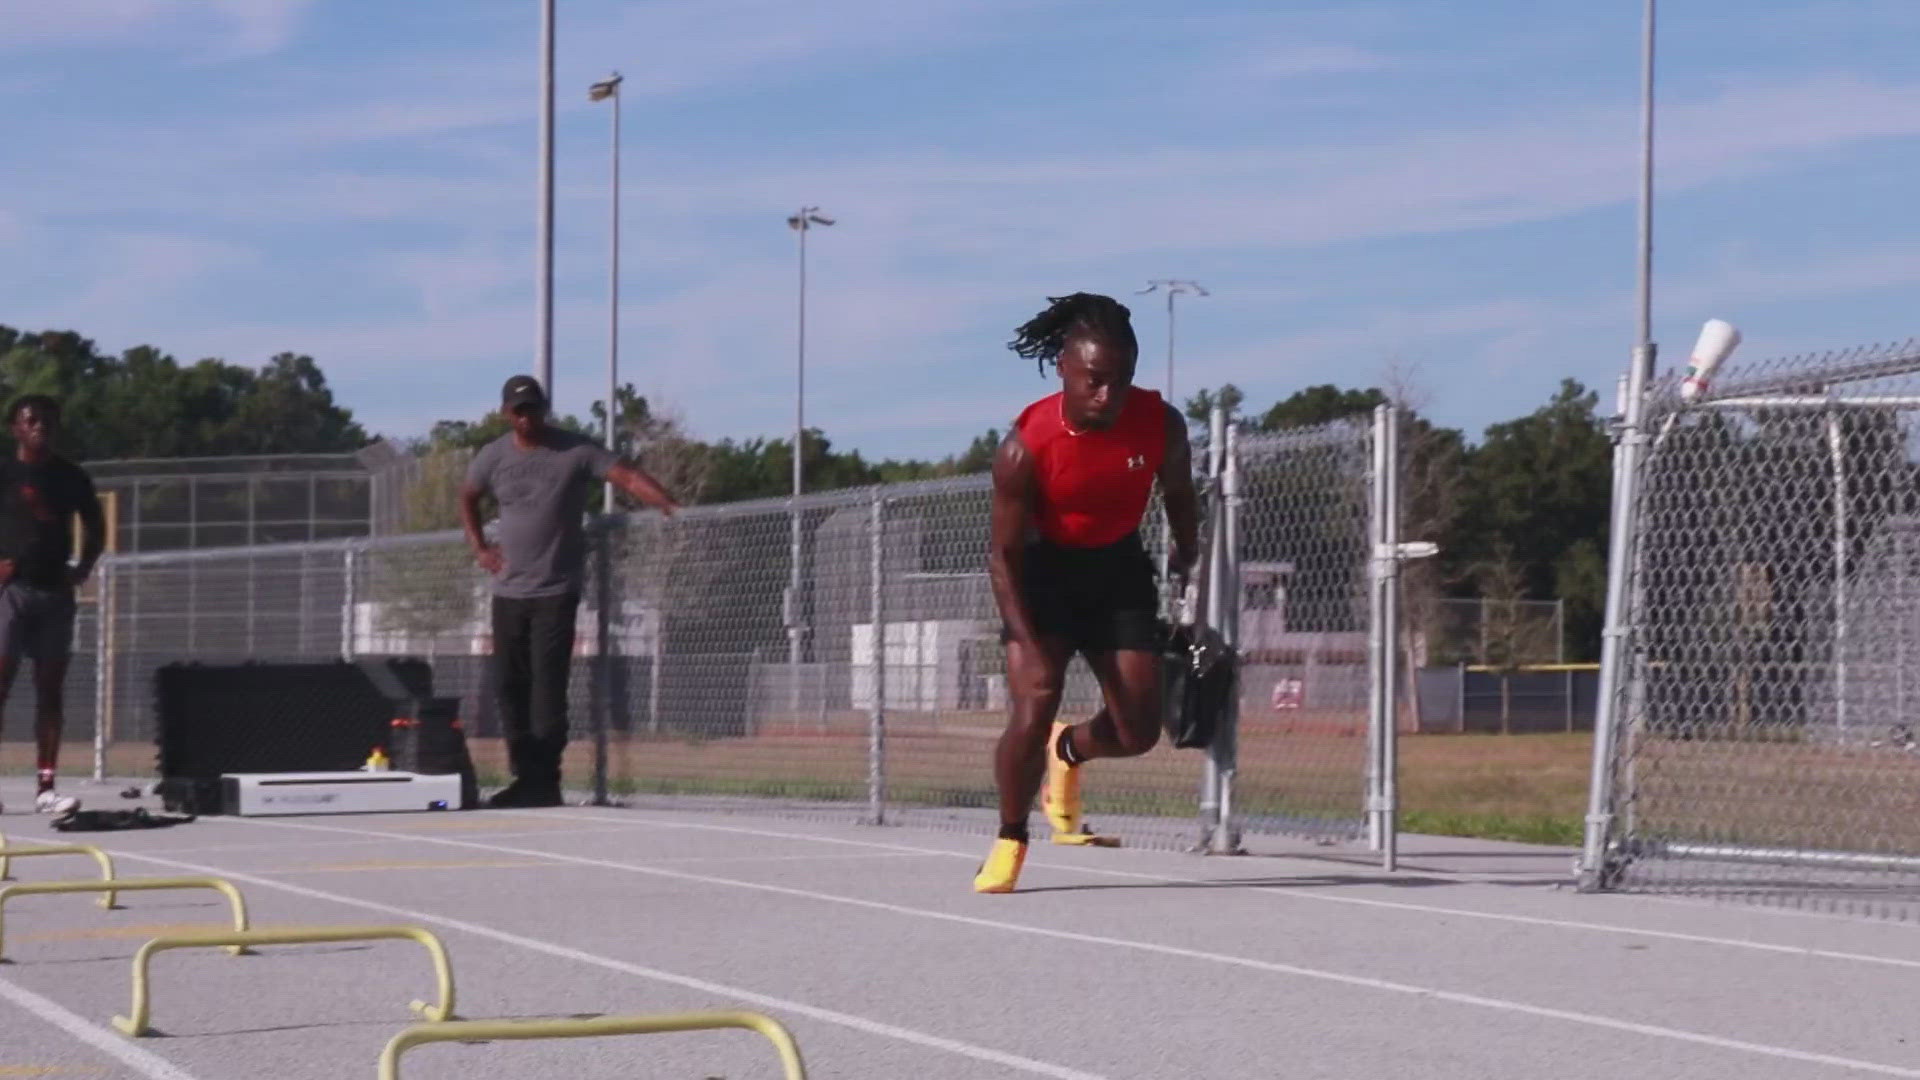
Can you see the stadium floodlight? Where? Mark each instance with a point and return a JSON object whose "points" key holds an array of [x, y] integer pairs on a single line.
{"points": [[801, 221], [1172, 287], [601, 91], [543, 272]]}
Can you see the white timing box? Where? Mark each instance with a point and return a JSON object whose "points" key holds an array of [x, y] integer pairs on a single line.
{"points": [[263, 794]]}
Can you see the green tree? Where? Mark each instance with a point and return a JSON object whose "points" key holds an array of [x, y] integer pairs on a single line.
{"points": [[1317, 405], [657, 442], [144, 403], [1541, 485]]}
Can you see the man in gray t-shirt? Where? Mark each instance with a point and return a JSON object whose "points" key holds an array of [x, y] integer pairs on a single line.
{"points": [[541, 477]]}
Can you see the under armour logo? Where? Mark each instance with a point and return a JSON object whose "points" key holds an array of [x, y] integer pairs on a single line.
{"points": [[1137, 461]]}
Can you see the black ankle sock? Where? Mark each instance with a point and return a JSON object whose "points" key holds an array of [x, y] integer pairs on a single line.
{"points": [[1063, 746], [1015, 831]]}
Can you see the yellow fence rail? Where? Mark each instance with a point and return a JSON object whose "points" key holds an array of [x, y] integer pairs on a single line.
{"points": [[120, 885], [492, 1030], [136, 1022], [8, 854]]}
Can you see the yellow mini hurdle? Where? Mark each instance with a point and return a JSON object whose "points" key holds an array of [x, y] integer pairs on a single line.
{"points": [[135, 1023], [8, 854], [493, 1030], [36, 888]]}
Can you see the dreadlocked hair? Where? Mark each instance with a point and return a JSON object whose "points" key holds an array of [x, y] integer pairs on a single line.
{"points": [[1044, 335]]}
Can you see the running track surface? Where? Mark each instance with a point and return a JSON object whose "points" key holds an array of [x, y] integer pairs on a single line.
{"points": [[1473, 961]]}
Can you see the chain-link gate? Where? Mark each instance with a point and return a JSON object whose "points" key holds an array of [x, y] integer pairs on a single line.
{"points": [[1305, 533], [1754, 736], [686, 691]]}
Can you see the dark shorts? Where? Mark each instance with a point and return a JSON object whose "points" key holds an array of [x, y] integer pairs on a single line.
{"points": [[1096, 599], [35, 623]]}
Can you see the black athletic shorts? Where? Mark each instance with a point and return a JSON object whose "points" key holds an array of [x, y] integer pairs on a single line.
{"points": [[1097, 599]]}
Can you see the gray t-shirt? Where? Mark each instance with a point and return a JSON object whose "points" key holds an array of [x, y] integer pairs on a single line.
{"points": [[542, 493]]}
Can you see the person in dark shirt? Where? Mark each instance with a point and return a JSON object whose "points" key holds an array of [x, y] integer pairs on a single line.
{"points": [[41, 493], [541, 477], [1070, 573]]}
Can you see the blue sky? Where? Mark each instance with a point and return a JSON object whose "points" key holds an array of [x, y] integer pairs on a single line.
{"points": [[1434, 193]]}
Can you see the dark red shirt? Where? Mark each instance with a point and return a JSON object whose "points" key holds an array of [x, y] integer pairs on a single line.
{"points": [[38, 501], [1092, 487]]}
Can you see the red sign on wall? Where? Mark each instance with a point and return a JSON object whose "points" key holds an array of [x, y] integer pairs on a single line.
{"points": [[1289, 693]]}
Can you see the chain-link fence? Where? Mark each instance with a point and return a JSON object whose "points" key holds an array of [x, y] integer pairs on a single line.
{"points": [[1505, 633], [686, 690], [1756, 740], [1303, 548], [174, 504]]}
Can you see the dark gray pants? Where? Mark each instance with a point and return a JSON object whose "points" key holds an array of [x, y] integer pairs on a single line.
{"points": [[533, 657], [36, 623]]}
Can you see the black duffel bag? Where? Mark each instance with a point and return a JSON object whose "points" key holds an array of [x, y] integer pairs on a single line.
{"points": [[1199, 675]]}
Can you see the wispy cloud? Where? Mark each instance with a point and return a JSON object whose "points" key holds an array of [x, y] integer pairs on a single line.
{"points": [[996, 228], [375, 206], [1287, 61], [1393, 183], [1747, 278], [736, 44], [144, 276], [229, 28]]}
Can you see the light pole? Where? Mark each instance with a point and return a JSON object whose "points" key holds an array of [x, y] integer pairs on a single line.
{"points": [[1614, 649], [1645, 340], [801, 222], [543, 316], [610, 88], [1173, 287]]}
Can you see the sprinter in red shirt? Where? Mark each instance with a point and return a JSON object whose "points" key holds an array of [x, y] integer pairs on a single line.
{"points": [[1070, 572]]}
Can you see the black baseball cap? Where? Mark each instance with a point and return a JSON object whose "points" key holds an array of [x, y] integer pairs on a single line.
{"points": [[522, 390]]}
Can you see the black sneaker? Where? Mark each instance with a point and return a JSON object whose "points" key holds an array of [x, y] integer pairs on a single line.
{"points": [[509, 797], [522, 796], [543, 796]]}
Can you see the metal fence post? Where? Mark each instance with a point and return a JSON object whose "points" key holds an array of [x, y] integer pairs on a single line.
{"points": [[1614, 638], [1210, 789], [653, 669], [1837, 449], [877, 720], [1377, 644], [1560, 630], [601, 669], [102, 667], [1224, 750], [1390, 634], [349, 567]]}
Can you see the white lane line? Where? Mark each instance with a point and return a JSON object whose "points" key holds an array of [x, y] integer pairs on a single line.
{"points": [[543, 863], [1361, 981], [681, 859], [108, 1042], [1295, 894], [767, 1001], [204, 849]]}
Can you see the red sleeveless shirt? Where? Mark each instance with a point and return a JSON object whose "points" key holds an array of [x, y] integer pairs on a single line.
{"points": [[1092, 487]]}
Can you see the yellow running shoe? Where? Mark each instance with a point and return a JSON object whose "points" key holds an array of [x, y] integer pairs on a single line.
{"points": [[1060, 796], [1001, 871], [1086, 837]]}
